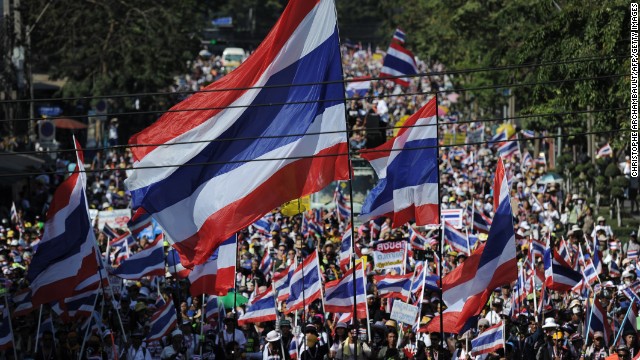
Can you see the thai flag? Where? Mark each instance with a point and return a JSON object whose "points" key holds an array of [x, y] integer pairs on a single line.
{"points": [[406, 191], [174, 265], [468, 287], [394, 286], [399, 62], [109, 231], [265, 263], [339, 294], [399, 36], [528, 134], [559, 275], [599, 321], [310, 283], [6, 333], [293, 349], [211, 309], [481, 222], [614, 270], [459, 152], [345, 248], [22, 302], [343, 210], [359, 86], [148, 262], [94, 323], [315, 229], [541, 160], [119, 248], [431, 282], [375, 227], [417, 282], [563, 251], [298, 134], [498, 138], [604, 151], [262, 309], [139, 221], [456, 239], [162, 321], [66, 254], [452, 216], [216, 276], [509, 148], [489, 340], [262, 226], [281, 282], [81, 305], [527, 160], [631, 292], [632, 255], [537, 247], [418, 242]]}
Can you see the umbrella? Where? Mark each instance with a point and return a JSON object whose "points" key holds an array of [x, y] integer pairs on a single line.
{"points": [[227, 300], [549, 178], [66, 123]]}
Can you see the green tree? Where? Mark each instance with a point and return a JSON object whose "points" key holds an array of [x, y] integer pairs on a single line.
{"points": [[114, 46]]}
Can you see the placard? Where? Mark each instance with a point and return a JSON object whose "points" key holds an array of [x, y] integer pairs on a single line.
{"points": [[388, 255], [115, 218], [404, 313]]}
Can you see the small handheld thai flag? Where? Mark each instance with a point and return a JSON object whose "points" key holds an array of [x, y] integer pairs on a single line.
{"points": [[394, 286], [139, 221], [509, 148], [211, 309], [559, 275], [599, 321], [262, 309], [528, 133], [162, 321], [527, 161], [265, 264], [456, 239], [418, 242], [489, 340], [632, 255], [148, 262], [310, 283], [481, 222], [452, 216], [604, 151], [14, 214], [399, 62], [614, 270], [358, 86], [343, 210], [345, 248]]}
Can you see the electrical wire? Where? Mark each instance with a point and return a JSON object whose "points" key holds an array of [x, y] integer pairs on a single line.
{"points": [[487, 87], [120, 147], [418, 75], [23, 174]]}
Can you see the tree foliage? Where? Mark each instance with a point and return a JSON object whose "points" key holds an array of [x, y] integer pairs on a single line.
{"points": [[114, 46]]}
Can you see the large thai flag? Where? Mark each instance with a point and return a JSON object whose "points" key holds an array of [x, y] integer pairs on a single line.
{"points": [[310, 284], [66, 254], [217, 275], [6, 333], [537, 247], [456, 239], [481, 222], [559, 275], [358, 86], [599, 321], [139, 221], [285, 103], [339, 294], [399, 62], [467, 288], [407, 166], [394, 286], [22, 302], [497, 139], [162, 321], [489, 340], [148, 262], [345, 248], [175, 267], [262, 309]]}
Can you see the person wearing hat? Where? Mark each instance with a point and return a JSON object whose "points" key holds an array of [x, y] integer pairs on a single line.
{"points": [[312, 349], [353, 348], [597, 350], [175, 349], [494, 316], [554, 349], [274, 349], [136, 351], [285, 332], [601, 225], [340, 335], [630, 338], [631, 245]]}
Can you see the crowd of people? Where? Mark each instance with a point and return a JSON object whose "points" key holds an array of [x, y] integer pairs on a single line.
{"points": [[544, 325]]}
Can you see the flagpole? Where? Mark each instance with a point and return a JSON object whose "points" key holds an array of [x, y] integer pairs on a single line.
{"points": [[202, 316], [235, 296], [353, 238], [13, 340], [104, 296], [533, 273], [615, 341], [593, 304], [38, 328], [86, 332], [468, 245], [441, 225]]}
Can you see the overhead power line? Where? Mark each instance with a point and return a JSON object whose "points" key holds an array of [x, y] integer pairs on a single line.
{"points": [[463, 122], [22, 174], [419, 75], [458, 90]]}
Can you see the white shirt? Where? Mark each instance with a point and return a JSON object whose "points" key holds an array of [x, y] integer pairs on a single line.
{"points": [[227, 337], [140, 354]]}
